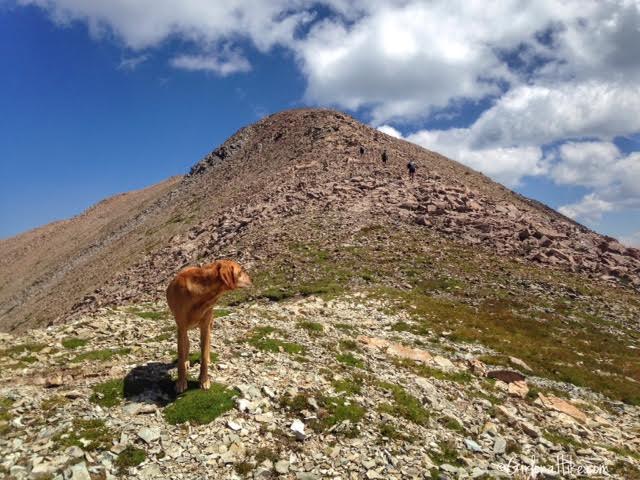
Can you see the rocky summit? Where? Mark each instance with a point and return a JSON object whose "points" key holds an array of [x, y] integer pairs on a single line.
{"points": [[440, 327]]}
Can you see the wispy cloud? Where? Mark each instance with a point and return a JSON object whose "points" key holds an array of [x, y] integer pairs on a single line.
{"points": [[227, 64], [131, 63]]}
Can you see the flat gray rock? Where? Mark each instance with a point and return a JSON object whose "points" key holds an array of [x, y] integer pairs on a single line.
{"points": [[149, 435], [79, 472]]}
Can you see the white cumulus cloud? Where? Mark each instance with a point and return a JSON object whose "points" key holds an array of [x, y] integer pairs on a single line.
{"points": [[505, 164], [590, 164], [590, 208], [613, 176], [389, 130], [540, 114], [147, 23]]}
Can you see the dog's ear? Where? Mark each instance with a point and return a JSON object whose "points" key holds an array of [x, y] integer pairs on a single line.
{"points": [[228, 275]]}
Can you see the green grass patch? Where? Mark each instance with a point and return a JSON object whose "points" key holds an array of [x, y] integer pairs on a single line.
{"points": [[102, 355], [200, 406], [493, 399], [150, 314], [262, 339], [324, 287], [430, 372], [501, 360], [163, 337], [244, 468], [345, 327], [276, 294], [446, 453], [532, 394], [412, 327], [350, 360], [451, 423], [350, 386], [401, 326], [558, 438], [404, 404], [389, 431], [296, 403], [22, 348], [444, 284], [5, 416], [626, 470], [313, 328], [275, 345], [333, 411], [74, 342], [108, 394], [534, 391], [625, 452], [264, 331], [554, 345], [5, 405], [194, 357], [51, 403], [266, 453], [349, 345], [513, 447], [94, 433], [130, 457], [221, 312]]}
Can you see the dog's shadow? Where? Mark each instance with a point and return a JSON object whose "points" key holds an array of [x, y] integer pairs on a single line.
{"points": [[152, 383]]}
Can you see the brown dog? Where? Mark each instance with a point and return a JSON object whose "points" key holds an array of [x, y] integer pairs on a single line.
{"points": [[191, 296]]}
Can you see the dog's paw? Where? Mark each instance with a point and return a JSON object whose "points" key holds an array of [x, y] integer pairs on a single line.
{"points": [[205, 383], [181, 386]]}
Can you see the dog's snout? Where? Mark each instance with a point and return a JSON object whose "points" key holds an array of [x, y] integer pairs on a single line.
{"points": [[245, 280]]}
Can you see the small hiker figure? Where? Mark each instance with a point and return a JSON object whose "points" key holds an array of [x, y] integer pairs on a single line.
{"points": [[412, 169], [361, 150], [385, 157]]}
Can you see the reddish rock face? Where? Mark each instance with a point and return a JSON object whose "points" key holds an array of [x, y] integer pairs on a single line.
{"points": [[562, 406], [506, 376]]}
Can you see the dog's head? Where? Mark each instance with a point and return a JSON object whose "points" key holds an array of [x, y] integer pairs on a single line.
{"points": [[233, 275]]}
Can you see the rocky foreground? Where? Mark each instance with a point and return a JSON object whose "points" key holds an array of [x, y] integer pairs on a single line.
{"points": [[305, 389]]}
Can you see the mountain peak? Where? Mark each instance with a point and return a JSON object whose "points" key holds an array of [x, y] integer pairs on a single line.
{"points": [[297, 166]]}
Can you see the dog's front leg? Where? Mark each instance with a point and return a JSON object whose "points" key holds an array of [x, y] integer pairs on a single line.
{"points": [[183, 359], [205, 351]]}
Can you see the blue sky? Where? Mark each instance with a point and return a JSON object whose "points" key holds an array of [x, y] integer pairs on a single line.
{"points": [[103, 97]]}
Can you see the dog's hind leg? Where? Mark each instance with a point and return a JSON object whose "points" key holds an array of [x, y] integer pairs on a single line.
{"points": [[183, 358]]}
